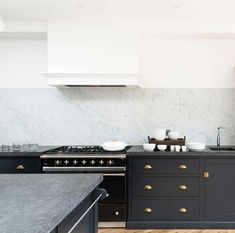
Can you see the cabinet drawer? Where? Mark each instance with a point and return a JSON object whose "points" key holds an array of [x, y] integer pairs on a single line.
{"points": [[149, 186], [112, 212], [165, 209], [165, 166], [20, 165]]}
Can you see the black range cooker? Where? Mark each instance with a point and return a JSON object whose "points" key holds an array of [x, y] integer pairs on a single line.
{"points": [[93, 159]]}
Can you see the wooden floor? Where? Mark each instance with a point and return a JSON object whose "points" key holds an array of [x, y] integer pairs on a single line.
{"points": [[113, 230]]}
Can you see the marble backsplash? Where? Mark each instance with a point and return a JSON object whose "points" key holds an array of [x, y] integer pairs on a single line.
{"points": [[94, 115]]}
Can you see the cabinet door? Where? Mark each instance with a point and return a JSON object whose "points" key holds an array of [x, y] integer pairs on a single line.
{"points": [[220, 189]]}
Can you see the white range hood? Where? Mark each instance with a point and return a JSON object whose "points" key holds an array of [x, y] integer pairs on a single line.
{"points": [[92, 80], [91, 55]]}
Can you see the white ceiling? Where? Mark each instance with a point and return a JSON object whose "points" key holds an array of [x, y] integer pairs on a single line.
{"points": [[119, 10]]}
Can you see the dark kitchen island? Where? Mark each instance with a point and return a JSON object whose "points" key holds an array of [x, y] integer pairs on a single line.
{"points": [[49, 203]]}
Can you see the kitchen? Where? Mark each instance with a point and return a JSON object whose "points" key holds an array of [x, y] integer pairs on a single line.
{"points": [[76, 74]]}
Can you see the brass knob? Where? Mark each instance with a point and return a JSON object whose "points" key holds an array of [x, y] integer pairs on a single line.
{"points": [[116, 213], [148, 187], [182, 210], [182, 187], [20, 167], [147, 167], [148, 210], [206, 174], [182, 167]]}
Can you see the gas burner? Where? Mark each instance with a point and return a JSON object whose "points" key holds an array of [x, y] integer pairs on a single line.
{"points": [[83, 150]]}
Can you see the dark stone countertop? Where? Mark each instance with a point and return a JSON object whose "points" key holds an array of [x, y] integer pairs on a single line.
{"points": [[37, 203], [139, 151], [39, 151]]}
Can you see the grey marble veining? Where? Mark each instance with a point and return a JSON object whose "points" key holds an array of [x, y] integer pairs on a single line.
{"points": [[94, 115], [37, 203]]}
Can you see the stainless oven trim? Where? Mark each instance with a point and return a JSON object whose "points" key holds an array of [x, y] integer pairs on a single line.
{"points": [[83, 169], [77, 156]]}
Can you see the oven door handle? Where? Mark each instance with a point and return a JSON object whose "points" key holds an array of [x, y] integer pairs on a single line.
{"points": [[84, 169], [113, 174]]}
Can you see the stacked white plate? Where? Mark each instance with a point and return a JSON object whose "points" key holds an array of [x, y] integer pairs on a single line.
{"points": [[196, 146]]}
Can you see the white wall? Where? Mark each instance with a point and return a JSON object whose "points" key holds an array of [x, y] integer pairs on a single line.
{"points": [[184, 62], [22, 62], [25, 26], [168, 55], [164, 62]]}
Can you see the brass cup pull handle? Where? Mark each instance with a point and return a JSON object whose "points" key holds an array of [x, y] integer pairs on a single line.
{"points": [[148, 210], [147, 167], [182, 187], [206, 174], [20, 167], [182, 210], [183, 167], [148, 187]]}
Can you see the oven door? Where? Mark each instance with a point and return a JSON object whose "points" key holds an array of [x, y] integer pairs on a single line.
{"points": [[112, 210], [114, 184]]}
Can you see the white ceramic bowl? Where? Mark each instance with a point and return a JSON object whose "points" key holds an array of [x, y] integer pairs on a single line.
{"points": [[149, 146], [173, 135], [162, 147], [196, 146], [160, 134], [114, 145]]}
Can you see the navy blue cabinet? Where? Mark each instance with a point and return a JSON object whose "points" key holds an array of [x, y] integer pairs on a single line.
{"points": [[83, 219], [147, 166], [152, 186], [181, 192], [220, 189], [87, 223], [21, 164]]}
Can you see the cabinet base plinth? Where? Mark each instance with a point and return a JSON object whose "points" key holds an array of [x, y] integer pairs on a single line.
{"points": [[182, 225]]}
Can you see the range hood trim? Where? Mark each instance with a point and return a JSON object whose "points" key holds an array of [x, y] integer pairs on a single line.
{"points": [[92, 80]]}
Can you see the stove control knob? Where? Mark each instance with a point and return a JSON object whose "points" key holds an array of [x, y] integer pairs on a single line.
{"points": [[92, 162], [66, 162], [83, 161], [75, 162], [57, 162], [110, 162], [101, 162]]}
